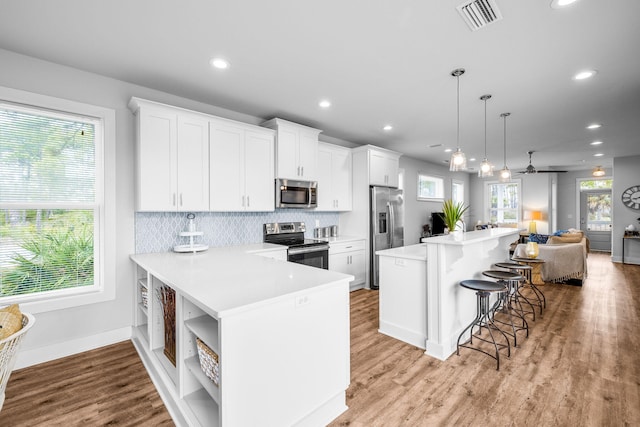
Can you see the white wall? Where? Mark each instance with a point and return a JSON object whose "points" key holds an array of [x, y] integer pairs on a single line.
{"points": [[418, 212], [626, 173], [62, 332]]}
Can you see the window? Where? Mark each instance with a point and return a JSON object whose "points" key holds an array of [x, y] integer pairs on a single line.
{"points": [[457, 191], [503, 202], [51, 201], [430, 187]]}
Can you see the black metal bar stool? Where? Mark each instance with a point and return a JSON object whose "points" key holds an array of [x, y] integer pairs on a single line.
{"points": [[504, 304], [522, 270], [484, 318], [542, 301]]}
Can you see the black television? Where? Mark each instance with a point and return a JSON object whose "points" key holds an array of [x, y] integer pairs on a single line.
{"points": [[437, 223]]}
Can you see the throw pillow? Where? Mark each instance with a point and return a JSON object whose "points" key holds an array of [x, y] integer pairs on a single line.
{"points": [[10, 321], [538, 238]]}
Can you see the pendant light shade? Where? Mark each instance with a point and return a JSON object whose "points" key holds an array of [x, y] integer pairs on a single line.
{"points": [[458, 160], [486, 168], [598, 172], [505, 173]]}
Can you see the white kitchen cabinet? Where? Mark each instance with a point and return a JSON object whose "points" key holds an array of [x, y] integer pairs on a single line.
{"points": [[296, 150], [334, 178], [172, 158], [383, 168], [349, 258], [241, 167]]}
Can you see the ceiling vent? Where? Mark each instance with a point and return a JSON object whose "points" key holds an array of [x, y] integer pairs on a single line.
{"points": [[479, 13]]}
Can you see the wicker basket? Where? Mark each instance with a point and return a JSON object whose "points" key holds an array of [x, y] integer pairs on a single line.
{"points": [[167, 298], [208, 361], [8, 352], [144, 296]]}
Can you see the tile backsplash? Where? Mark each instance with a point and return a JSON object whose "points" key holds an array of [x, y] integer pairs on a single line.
{"points": [[159, 231]]}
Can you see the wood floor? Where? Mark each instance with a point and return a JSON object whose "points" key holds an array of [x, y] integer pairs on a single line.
{"points": [[580, 366]]}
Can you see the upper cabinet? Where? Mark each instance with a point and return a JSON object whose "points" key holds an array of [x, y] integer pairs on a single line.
{"points": [[296, 150], [334, 178], [384, 166], [242, 167], [172, 158]]}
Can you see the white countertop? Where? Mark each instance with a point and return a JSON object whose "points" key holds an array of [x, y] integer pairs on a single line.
{"points": [[469, 237], [415, 252], [228, 279]]}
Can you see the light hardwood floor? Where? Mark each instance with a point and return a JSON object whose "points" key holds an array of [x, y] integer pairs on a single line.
{"points": [[580, 366]]}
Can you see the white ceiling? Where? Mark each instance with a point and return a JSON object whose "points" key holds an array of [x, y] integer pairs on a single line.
{"points": [[379, 62]]}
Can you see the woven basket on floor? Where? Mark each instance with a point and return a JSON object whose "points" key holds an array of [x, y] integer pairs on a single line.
{"points": [[9, 350], [208, 361]]}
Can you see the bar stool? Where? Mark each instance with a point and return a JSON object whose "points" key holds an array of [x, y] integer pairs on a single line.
{"points": [[529, 276], [510, 281], [484, 318], [522, 270]]}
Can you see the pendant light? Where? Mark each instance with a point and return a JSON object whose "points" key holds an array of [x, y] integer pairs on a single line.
{"points": [[486, 168], [505, 173], [598, 172], [458, 160]]}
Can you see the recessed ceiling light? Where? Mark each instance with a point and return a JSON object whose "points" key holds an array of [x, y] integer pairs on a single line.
{"points": [[473, 159], [598, 155], [219, 63], [324, 103], [558, 4], [586, 74], [387, 127], [448, 150], [594, 126], [596, 143]]}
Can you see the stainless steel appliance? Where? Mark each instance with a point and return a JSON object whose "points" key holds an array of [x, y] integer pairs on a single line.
{"points": [[300, 250], [296, 194], [386, 225]]}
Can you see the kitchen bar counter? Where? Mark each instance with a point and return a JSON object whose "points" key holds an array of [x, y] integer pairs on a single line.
{"points": [[421, 301], [279, 332]]}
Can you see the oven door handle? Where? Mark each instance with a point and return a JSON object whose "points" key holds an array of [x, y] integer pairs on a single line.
{"points": [[298, 251]]}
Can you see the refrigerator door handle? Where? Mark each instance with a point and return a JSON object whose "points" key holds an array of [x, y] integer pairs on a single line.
{"points": [[391, 227]]}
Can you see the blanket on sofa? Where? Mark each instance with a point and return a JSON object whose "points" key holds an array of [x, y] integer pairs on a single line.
{"points": [[561, 262]]}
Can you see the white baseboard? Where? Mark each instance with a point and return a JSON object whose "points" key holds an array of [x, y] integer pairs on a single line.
{"points": [[34, 356]]}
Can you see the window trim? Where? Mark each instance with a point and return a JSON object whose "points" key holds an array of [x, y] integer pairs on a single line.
{"points": [[487, 201], [428, 177], [455, 182], [104, 223]]}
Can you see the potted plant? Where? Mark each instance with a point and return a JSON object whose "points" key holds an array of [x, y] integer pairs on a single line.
{"points": [[452, 213]]}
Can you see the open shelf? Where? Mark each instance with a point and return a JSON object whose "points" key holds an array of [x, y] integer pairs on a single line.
{"points": [[206, 411], [193, 364], [166, 364], [205, 328], [141, 331]]}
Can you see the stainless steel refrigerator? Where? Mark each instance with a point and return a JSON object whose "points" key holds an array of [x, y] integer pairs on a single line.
{"points": [[386, 225]]}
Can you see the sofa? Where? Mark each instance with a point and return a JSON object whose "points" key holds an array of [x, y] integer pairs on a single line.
{"points": [[565, 254]]}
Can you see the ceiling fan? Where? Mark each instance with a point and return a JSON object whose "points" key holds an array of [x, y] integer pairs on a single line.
{"points": [[530, 170]]}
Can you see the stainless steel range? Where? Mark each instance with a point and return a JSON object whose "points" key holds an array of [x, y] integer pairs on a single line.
{"points": [[300, 250]]}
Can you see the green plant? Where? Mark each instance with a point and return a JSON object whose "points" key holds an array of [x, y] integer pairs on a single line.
{"points": [[452, 213]]}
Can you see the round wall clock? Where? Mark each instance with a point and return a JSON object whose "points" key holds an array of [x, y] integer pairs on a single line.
{"points": [[631, 197]]}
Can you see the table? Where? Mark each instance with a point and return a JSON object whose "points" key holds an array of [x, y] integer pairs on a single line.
{"points": [[536, 264], [627, 238]]}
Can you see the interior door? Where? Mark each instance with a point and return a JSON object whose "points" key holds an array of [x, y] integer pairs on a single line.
{"points": [[595, 218]]}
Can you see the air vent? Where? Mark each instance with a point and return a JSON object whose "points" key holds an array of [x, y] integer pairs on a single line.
{"points": [[479, 13]]}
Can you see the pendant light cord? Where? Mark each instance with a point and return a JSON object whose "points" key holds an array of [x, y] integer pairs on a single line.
{"points": [[505, 141], [485, 128], [458, 135]]}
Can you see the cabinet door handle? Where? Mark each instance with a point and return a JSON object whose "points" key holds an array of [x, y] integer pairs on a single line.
{"points": [[174, 199], [298, 170], [243, 201], [248, 202], [302, 170], [180, 199]]}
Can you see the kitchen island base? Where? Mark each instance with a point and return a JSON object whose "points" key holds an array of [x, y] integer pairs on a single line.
{"points": [[281, 351]]}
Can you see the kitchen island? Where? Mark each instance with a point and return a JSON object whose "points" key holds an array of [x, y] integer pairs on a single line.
{"points": [[279, 330], [421, 302]]}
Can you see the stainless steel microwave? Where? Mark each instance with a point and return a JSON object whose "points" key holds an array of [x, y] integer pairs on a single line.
{"points": [[296, 194]]}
